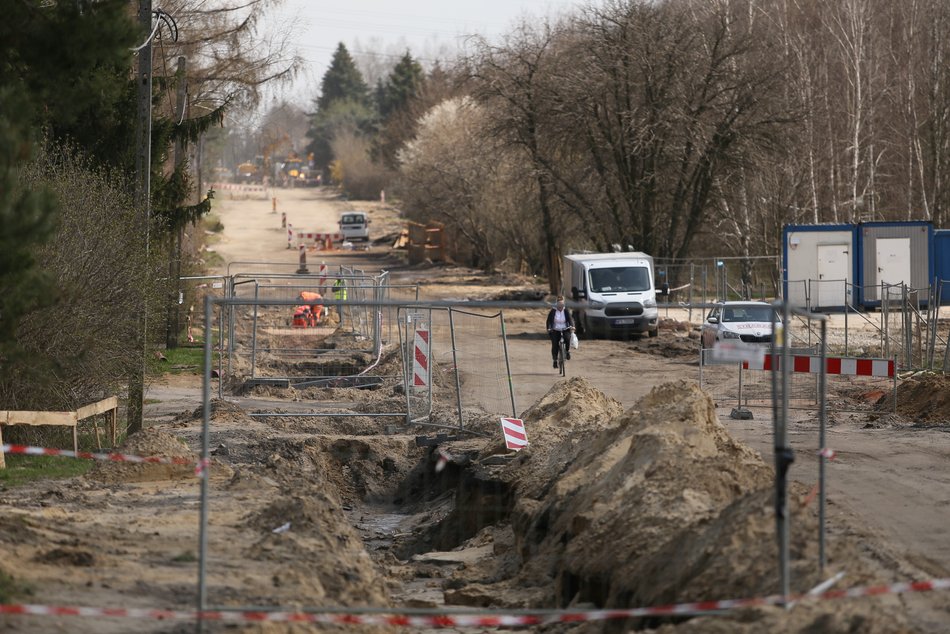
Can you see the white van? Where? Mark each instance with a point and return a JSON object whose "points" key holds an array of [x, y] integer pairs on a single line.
{"points": [[616, 290], [354, 225]]}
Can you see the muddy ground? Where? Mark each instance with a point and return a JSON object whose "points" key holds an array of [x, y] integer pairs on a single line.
{"points": [[636, 489]]}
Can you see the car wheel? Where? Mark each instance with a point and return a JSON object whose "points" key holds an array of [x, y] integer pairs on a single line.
{"points": [[654, 332]]}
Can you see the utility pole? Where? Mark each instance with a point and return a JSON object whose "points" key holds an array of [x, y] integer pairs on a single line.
{"points": [[172, 325], [143, 166]]}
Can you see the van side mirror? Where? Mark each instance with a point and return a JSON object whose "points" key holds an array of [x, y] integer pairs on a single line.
{"points": [[577, 294]]}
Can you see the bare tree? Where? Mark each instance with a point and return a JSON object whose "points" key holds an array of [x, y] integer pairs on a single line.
{"points": [[513, 80], [454, 173]]}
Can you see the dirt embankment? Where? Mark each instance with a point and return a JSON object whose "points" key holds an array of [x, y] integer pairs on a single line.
{"points": [[652, 506]]}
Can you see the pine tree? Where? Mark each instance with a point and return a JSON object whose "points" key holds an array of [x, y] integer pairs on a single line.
{"points": [[344, 105], [27, 220], [404, 82], [342, 81], [71, 60]]}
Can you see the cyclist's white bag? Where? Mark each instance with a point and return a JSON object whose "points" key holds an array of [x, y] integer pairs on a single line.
{"points": [[574, 340]]}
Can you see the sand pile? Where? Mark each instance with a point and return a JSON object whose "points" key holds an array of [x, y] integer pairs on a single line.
{"points": [[665, 467], [558, 427], [321, 558], [659, 505], [924, 399], [148, 442]]}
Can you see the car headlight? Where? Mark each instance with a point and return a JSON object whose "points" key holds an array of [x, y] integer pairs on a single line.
{"points": [[649, 303], [726, 334]]}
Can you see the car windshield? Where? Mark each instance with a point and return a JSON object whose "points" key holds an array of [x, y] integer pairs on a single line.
{"points": [[746, 313], [620, 279]]}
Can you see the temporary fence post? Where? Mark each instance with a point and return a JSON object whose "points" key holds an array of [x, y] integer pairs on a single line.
{"points": [[254, 330], [406, 359], [205, 444], [692, 277], [455, 365], [883, 329], [906, 325], [783, 454], [221, 351], [705, 281], [822, 386], [511, 387], [739, 404], [895, 385], [847, 309]]}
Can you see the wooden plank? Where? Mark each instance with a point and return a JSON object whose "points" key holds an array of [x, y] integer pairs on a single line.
{"points": [[103, 406], [41, 418]]}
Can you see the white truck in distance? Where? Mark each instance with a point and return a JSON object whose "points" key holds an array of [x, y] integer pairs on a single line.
{"points": [[617, 292]]}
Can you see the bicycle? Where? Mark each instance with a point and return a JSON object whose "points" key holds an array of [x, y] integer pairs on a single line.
{"points": [[562, 353]]}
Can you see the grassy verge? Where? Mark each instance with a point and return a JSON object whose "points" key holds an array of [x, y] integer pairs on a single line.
{"points": [[21, 469], [188, 359]]}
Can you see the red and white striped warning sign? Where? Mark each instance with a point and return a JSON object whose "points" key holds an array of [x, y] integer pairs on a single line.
{"points": [[420, 359], [515, 436], [849, 366]]}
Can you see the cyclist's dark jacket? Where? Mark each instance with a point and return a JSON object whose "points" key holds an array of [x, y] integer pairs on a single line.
{"points": [[567, 316]]}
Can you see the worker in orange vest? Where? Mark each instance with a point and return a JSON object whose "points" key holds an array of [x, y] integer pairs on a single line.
{"points": [[316, 308], [302, 317]]}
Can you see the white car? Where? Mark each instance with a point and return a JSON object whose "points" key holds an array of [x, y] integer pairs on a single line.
{"points": [[354, 225], [747, 322]]}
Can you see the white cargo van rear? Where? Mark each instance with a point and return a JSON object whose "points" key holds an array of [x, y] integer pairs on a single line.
{"points": [[616, 292], [354, 225]]}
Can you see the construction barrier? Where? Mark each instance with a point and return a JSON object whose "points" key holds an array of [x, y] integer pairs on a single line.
{"points": [[235, 190], [485, 618], [811, 364], [317, 240], [68, 419]]}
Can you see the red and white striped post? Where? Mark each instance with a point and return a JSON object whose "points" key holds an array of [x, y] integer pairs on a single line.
{"points": [[420, 360]]}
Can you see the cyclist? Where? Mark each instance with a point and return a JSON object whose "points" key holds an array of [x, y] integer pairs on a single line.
{"points": [[559, 325]]}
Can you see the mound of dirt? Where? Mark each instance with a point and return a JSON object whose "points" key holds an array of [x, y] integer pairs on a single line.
{"points": [[665, 467], [660, 505], [321, 555], [556, 426], [669, 344], [924, 399], [148, 442]]}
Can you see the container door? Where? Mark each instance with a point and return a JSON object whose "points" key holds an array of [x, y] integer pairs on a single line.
{"points": [[893, 261], [831, 288]]}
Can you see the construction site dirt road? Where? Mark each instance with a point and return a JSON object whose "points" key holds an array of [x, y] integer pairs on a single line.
{"points": [[636, 489]]}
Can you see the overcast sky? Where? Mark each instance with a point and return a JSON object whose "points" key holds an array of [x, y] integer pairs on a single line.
{"points": [[430, 29]]}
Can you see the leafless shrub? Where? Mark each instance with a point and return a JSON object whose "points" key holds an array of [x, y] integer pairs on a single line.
{"points": [[361, 178], [81, 348]]}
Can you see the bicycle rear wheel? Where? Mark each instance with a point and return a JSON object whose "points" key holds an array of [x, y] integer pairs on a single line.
{"points": [[560, 358]]}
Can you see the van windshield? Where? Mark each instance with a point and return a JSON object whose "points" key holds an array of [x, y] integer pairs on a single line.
{"points": [[620, 279]]}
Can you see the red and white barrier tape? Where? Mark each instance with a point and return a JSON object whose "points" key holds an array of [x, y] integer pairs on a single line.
{"points": [[200, 467], [470, 620]]}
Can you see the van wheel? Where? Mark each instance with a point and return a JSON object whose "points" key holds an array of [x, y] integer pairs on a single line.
{"points": [[654, 332]]}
